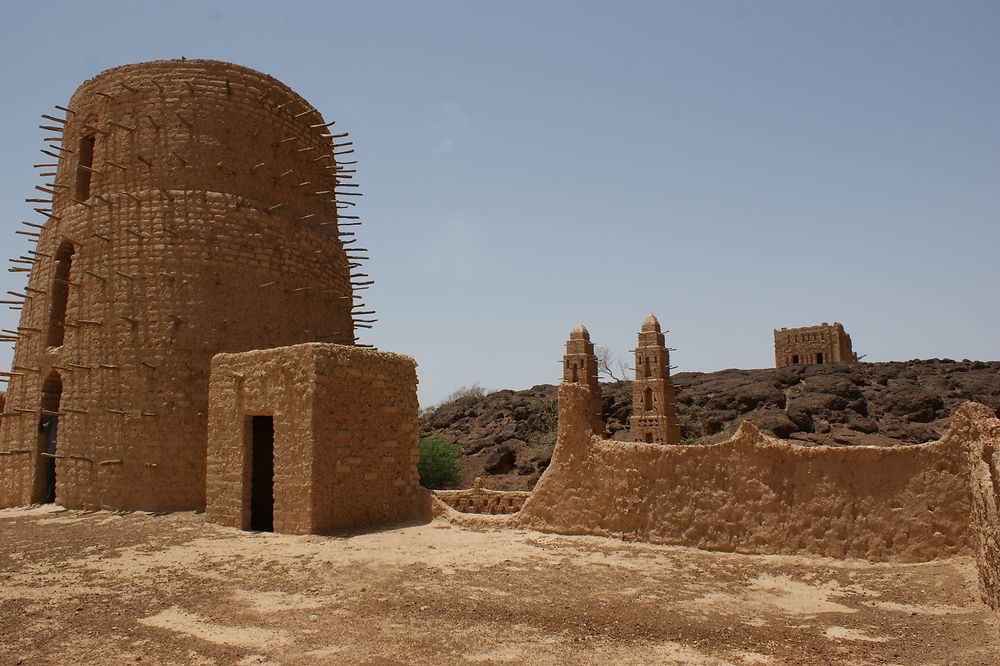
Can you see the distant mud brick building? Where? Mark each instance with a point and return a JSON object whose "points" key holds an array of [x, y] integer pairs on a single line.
{"points": [[312, 438], [813, 344], [654, 414], [580, 367], [190, 208]]}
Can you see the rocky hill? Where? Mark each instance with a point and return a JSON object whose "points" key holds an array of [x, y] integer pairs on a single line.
{"points": [[508, 436]]}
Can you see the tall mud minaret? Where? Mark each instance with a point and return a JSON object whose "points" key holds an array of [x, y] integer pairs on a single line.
{"points": [[654, 415], [580, 367]]}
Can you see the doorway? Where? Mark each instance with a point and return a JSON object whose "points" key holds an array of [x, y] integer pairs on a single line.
{"points": [[48, 427], [262, 473]]}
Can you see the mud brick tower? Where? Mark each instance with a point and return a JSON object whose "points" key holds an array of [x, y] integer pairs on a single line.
{"points": [[654, 415], [191, 208], [580, 367], [813, 345]]}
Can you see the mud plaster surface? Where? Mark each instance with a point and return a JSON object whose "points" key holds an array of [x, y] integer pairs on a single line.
{"points": [[80, 587]]}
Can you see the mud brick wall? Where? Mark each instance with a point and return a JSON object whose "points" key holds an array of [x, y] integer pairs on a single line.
{"points": [[483, 500], [984, 462], [755, 494], [805, 343], [206, 222], [345, 436]]}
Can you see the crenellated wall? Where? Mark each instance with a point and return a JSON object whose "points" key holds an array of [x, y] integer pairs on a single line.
{"points": [[755, 494], [483, 500]]}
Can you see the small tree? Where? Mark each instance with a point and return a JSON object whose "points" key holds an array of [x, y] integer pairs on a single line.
{"points": [[438, 463], [611, 365]]}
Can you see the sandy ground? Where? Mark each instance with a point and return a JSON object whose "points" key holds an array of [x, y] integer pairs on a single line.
{"points": [[78, 587]]}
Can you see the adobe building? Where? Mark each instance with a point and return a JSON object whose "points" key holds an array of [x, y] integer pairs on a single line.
{"points": [[312, 438], [189, 208], [580, 367], [813, 344], [654, 414]]}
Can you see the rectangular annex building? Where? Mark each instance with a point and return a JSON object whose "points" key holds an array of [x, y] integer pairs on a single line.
{"points": [[312, 438]]}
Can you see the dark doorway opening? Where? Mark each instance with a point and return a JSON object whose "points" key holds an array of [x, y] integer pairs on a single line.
{"points": [[795, 358], [819, 358], [262, 474], [48, 428], [649, 438]]}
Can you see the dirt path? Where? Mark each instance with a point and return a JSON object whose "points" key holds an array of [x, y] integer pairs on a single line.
{"points": [[80, 587]]}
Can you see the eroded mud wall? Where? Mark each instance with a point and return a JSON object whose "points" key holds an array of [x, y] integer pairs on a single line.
{"points": [[758, 495], [984, 463]]}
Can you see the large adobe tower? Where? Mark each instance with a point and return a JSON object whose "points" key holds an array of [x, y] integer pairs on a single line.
{"points": [[194, 210]]}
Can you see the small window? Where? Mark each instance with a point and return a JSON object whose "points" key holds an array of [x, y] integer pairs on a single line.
{"points": [[85, 158], [60, 295], [649, 438], [795, 358]]}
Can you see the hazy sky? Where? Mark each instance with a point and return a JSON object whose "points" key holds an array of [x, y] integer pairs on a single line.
{"points": [[730, 166]]}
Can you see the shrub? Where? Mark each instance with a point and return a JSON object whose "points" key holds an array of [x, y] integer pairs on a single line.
{"points": [[438, 462], [462, 393], [474, 392]]}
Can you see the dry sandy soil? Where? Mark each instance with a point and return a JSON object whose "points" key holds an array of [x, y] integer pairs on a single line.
{"points": [[78, 587]]}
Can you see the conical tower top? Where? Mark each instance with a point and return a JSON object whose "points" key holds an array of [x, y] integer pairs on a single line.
{"points": [[579, 332], [650, 324]]}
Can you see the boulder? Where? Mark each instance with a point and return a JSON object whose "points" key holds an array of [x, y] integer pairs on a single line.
{"points": [[501, 461]]}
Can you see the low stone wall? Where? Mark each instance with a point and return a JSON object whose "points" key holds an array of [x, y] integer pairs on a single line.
{"points": [[483, 500], [756, 494]]}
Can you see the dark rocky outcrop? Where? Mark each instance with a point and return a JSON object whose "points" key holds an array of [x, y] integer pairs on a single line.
{"points": [[508, 436]]}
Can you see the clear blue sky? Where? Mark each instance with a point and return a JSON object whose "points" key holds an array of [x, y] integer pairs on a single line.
{"points": [[730, 166]]}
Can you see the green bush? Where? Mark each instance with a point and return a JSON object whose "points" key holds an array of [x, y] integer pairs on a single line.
{"points": [[438, 462]]}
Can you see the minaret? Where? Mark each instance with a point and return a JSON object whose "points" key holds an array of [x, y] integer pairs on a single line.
{"points": [[654, 416], [580, 367]]}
